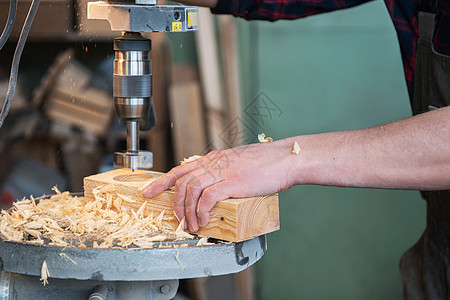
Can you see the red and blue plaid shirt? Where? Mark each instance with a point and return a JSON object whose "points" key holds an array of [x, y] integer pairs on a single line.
{"points": [[402, 12]]}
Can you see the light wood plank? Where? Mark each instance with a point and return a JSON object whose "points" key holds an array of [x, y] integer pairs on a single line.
{"points": [[188, 132], [211, 81], [230, 63]]}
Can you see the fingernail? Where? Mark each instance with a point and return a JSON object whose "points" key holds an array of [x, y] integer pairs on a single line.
{"points": [[147, 192]]}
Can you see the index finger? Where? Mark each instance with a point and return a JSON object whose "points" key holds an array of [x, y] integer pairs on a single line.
{"points": [[168, 180]]}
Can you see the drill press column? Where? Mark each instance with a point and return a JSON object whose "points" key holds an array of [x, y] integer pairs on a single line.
{"points": [[132, 95]]}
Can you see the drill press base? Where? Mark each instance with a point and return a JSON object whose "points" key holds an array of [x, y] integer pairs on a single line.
{"points": [[125, 273], [19, 286]]}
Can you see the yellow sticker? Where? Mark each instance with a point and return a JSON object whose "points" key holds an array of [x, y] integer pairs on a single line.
{"points": [[177, 26], [192, 19]]}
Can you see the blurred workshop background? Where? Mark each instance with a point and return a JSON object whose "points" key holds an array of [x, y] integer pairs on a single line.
{"points": [[218, 88]]}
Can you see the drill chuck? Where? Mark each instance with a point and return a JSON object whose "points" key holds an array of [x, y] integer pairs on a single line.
{"points": [[132, 92], [132, 80]]}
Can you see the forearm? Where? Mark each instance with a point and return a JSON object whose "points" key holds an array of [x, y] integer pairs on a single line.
{"points": [[413, 153]]}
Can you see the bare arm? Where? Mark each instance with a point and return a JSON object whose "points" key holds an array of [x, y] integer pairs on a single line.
{"points": [[412, 153]]}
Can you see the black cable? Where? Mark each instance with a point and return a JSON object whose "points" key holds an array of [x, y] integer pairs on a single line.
{"points": [[9, 24], [16, 59]]}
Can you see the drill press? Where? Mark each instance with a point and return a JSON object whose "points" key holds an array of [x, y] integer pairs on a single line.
{"points": [[132, 80]]}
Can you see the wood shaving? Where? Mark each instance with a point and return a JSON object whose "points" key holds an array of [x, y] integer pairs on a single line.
{"points": [[65, 220], [44, 273], [296, 148], [203, 242], [192, 158], [263, 139], [180, 233], [62, 254], [178, 260]]}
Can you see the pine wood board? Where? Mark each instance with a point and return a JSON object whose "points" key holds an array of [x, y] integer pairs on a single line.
{"points": [[188, 132], [232, 220], [230, 65], [210, 78]]}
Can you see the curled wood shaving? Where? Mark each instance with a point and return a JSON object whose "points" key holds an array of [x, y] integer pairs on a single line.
{"points": [[180, 233], [44, 273], [126, 198], [296, 148], [62, 254], [178, 260], [192, 158], [203, 242], [140, 211], [263, 139]]}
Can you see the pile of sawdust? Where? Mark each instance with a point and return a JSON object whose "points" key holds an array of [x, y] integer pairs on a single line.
{"points": [[65, 220]]}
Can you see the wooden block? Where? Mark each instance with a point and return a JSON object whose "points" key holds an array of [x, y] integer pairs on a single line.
{"points": [[90, 110], [231, 220]]}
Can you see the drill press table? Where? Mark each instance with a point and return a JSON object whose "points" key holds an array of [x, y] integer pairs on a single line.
{"points": [[92, 273]]}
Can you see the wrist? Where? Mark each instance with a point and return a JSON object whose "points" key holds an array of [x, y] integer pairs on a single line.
{"points": [[319, 161]]}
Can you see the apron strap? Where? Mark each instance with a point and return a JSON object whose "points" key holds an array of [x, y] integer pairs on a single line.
{"points": [[426, 25], [428, 5]]}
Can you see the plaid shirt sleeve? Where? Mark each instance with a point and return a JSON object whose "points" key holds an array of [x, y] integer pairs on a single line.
{"points": [[273, 10], [403, 14], [441, 38]]}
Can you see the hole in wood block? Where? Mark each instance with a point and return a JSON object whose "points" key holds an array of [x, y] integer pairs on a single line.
{"points": [[134, 177]]}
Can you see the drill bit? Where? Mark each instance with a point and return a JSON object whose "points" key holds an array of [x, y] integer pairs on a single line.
{"points": [[132, 138]]}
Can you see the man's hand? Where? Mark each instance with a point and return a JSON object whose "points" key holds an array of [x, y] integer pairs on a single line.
{"points": [[251, 170]]}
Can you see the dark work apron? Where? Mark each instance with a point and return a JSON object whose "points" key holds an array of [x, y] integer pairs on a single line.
{"points": [[425, 267]]}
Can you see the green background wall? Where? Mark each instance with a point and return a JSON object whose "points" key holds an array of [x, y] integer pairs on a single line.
{"points": [[337, 71]]}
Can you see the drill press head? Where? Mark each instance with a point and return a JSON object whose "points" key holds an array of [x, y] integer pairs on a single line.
{"points": [[132, 85]]}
